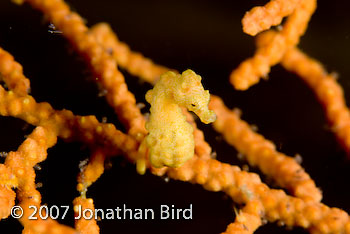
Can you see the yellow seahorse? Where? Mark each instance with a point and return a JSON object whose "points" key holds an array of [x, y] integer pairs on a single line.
{"points": [[170, 140]]}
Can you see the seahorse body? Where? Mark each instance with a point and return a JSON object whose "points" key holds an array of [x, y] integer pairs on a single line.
{"points": [[170, 139]]}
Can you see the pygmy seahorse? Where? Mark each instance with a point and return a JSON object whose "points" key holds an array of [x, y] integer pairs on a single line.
{"points": [[170, 139]]}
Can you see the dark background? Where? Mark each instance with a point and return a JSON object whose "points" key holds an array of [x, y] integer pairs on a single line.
{"points": [[205, 36]]}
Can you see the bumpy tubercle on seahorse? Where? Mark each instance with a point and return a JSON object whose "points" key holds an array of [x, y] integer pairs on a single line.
{"points": [[170, 139]]}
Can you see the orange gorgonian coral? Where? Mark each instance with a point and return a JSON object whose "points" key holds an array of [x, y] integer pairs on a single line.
{"points": [[298, 205]]}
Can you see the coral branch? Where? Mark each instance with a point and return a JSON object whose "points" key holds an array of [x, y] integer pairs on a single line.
{"points": [[12, 74], [7, 200], [327, 90], [92, 171], [251, 70], [243, 187], [102, 63], [247, 220], [21, 163], [262, 153], [259, 19], [135, 63], [65, 124], [85, 226]]}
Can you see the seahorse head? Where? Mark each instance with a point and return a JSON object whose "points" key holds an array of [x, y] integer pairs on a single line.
{"points": [[190, 93]]}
